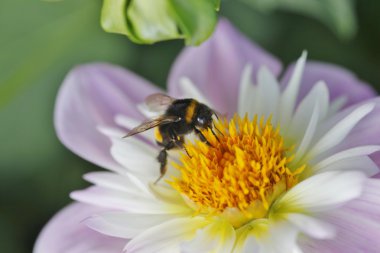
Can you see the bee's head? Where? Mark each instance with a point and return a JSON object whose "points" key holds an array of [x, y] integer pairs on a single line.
{"points": [[203, 117]]}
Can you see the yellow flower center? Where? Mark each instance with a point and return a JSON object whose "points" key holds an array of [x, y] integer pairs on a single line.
{"points": [[243, 170]]}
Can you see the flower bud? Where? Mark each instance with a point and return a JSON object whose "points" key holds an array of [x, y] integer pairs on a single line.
{"points": [[150, 21]]}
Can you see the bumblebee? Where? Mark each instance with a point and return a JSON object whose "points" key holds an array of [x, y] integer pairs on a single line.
{"points": [[180, 117]]}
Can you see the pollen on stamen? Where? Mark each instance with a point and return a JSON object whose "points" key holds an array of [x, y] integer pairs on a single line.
{"points": [[246, 167]]}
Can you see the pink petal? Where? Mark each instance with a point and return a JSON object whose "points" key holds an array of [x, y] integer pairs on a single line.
{"points": [[216, 66], [340, 82], [67, 233], [93, 95], [369, 203], [357, 225]]}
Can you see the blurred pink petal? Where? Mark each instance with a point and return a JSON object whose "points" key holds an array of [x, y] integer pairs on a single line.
{"points": [[340, 82], [93, 95], [66, 232], [216, 66], [357, 225]]}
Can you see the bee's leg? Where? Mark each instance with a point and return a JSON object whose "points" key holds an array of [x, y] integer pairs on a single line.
{"points": [[180, 143], [187, 153], [173, 136], [217, 129], [162, 159], [214, 134], [178, 140], [202, 137]]}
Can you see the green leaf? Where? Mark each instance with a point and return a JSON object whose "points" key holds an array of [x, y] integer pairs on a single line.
{"points": [[338, 15], [148, 21]]}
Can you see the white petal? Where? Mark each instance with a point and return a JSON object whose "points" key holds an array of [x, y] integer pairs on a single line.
{"points": [[289, 95], [319, 95], [311, 226], [137, 156], [139, 182], [146, 111], [189, 90], [362, 163], [282, 238], [168, 235], [119, 200], [111, 131], [218, 236], [266, 236], [336, 106], [201, 243], [297, 249], [123, 224], [338, 132], [246, 92], [111, 180], [166, 193], [249, 236], [343, 155], [267, 94], [321, 192], [308, 135], [247, 244], [130, 123]]}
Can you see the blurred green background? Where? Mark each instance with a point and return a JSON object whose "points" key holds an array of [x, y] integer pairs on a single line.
{"points": [[41, 41]]}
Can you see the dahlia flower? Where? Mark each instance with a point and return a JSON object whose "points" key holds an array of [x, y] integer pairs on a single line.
{"points": [[293, 168]]}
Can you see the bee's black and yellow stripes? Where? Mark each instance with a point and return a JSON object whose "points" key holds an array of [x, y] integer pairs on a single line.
{"points": [[190, 111], [158, 135]]}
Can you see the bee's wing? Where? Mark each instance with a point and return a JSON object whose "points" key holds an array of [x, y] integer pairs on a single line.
{"points": [[158, 102], [152, 123]]}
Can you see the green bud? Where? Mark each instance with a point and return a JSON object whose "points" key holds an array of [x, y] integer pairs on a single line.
{"points": [[150, 21]]}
